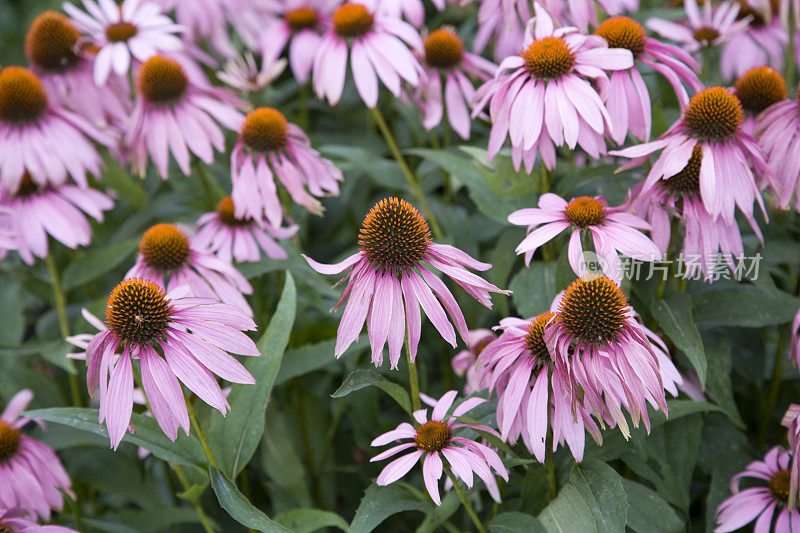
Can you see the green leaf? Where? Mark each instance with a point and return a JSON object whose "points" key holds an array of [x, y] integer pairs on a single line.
{"points": [[235, 437], [114, 176], [567, 513], [719, 379], [186, 450], [379, 503], [154, 519], [360, 379], [601, 489], [308, 520], [384, 172], [649, 512], [96, 263], [12, 320], [534, 288], [237, 505], [674, 315], [746, 306], [310, 357], [516, 523]]}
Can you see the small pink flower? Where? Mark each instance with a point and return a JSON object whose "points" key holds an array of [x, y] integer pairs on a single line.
{"points": [[388, 281], [243, 74], [204, 21], [378, 48], [711, 27], [447, 66], [168, 258], [613, 231], [192, 336], [36, 212], [502, 23], [177, 111], [582, 13], [32, 474], [240, 239], [544, 97], [778, 133], [134, 30], [762, 43], [271, 147], [465, 362], [434, 441], [761, 502], [41, 138], [18, 522]]}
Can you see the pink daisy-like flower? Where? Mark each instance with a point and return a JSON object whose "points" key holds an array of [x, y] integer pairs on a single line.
{"points": [[712, 121], [41, 138], [544, 97], [17, 521], [581, 13], [34, 212], [502, 23], [613, 231], [434, 441], [388, 281], [791, 421], [174, 337], [32, 474], [239, 239], [204, 21], [711, 27], [177, 111], [50, 46], [605, 358], [168, 258], [763, 501], [134, 30], [778, 133], [243, 74], [628, 101], [762, 43], [757, 89], [378, 47], [464, 363], [271, 147], [446, 67], [298, 23], [516, 366]]}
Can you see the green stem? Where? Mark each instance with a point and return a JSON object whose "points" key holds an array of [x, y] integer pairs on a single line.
{"points": [[196, 504], [201, 435], [464, 501], [774, 386], [412, 180], [413, 379], [212, 190], [63, 324], [550, 464]]}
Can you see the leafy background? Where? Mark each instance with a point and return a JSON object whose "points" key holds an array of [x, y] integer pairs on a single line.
{"points": [[307, 465]]}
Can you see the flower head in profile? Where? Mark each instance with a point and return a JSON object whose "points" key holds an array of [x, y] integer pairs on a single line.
{"points": [[239, 239], [757, 89], [446, 85], [791, 421], [169, 258], [605, 357], [531, 396], [42, 139], [37, 212], [32, 474], [177, 111], [270, 147], [17, 521], [766, 501], [712, 26], [778, 134], [436, 441], [547, 95], [391, 277], [242, 73], [51, 46], [378, 46], [628, 101], [465, 362], [176, 339], [132, 31], [613, 231], [732, 166], [762, 42]]}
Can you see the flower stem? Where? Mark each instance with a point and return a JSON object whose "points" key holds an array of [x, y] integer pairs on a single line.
{"points": [[464, 501], [774, 386], [63, 324], [196, 504], [412, 181], [201, 435], [413, 379], [550, 464]]}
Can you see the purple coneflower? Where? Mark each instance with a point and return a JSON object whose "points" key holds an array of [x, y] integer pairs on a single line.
{"points": [[134, 30], [757, 89], [17, 521], [239, 239], [271, 147], [378, 47], [778, 133], [762, 502], [464, 363], [628, 101], [168, 258], [36, 212], [711, 27], [544, 97], [204, 21], [762, 43], [388, 281], [243, 74], [177, 112], [502, 23], [713, 122], [446, 66], [41, 138], [174, 338], [791, 421], [581, 13], [435, 441], [32, 474], [613, 231]]}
